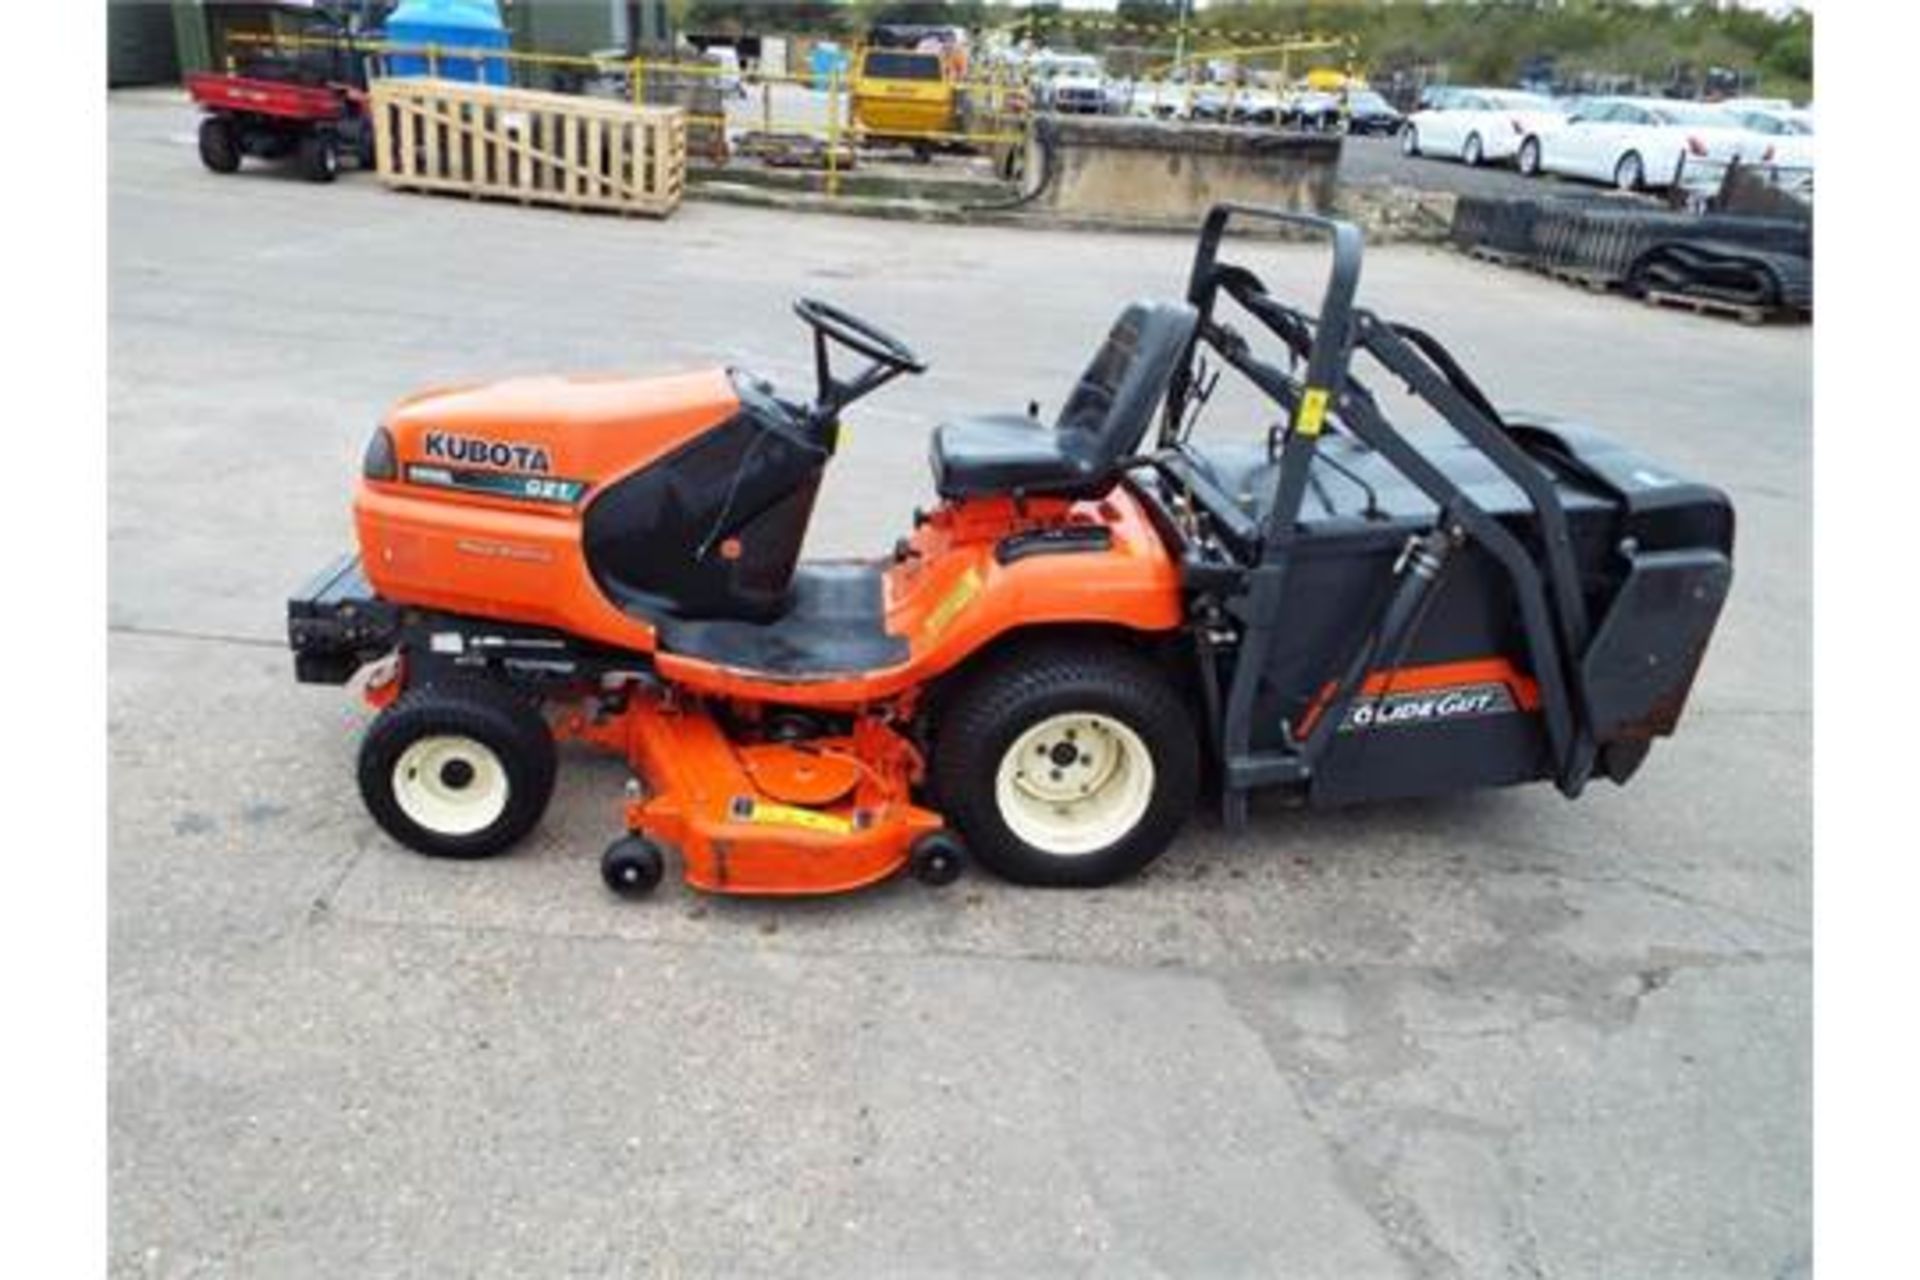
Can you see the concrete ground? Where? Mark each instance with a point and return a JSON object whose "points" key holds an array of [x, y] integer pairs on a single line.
{"points": [[1499, 1034]]}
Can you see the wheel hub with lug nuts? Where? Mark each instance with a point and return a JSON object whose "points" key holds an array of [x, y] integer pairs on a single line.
{"points": [[1075, 783], [450, 784]]}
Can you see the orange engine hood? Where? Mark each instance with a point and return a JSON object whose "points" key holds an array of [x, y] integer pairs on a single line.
{"points": [[590, 430]]}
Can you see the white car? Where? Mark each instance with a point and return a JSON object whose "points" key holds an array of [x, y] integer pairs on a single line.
{"points": [[1069, 83], [1775, 105], [1789, 136], [1477, 125], [1638, 144]]}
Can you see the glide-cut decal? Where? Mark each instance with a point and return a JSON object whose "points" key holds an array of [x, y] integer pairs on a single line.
{"points": [[1428, 706]]}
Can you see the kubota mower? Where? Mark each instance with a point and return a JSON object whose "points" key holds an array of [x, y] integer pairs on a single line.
{"points": [[1088, 628]]}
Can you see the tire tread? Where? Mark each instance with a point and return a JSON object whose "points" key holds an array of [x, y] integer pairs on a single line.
{"points": [[982, 715]]}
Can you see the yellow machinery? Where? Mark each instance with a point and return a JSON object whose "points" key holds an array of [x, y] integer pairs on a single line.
{"points": [[903, 93]]}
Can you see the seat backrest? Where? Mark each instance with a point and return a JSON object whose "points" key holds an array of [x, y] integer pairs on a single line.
{"points": [[1112, 405]]}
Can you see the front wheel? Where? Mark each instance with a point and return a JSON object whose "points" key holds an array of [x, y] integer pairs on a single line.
{"points": [[1629, 174], [319, 157], [1410, 141], [1474, 152], [457, 770], [1067, 766], [1529, 159], [219, 145]]}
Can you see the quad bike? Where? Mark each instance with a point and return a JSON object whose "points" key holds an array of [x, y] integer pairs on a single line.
{"points": [[1043, 675]]}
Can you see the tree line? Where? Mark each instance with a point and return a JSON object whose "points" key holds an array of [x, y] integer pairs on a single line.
{"points": [[1489, 42]]}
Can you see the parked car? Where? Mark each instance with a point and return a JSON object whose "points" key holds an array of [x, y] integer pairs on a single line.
{"points": [[1778, 106], [1368, 112], [1070, 83], [902, 94], [1637, 143], [1786, 155], [1478, 125], [1254, 105], [1789, 136], [1311, 109]]}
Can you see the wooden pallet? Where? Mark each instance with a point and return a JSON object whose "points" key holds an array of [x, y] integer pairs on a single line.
{"points": [[1592, 281], [1567, 275], [1500, 257], [1745, 312], [537, 148]]}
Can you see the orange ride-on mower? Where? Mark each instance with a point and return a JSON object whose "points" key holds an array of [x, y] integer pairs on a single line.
{"points": [[1089, 625]]}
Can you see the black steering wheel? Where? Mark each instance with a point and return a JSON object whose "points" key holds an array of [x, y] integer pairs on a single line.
{"points": [[859, 335]]}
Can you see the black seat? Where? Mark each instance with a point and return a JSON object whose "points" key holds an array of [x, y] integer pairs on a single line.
{"points": [[1102, 422]]}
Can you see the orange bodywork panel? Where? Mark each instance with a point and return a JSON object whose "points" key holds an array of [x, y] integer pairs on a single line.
{"points": [[949, 596], [484, 517], [517, 556]]}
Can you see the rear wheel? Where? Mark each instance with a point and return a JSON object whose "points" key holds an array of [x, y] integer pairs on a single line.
{"points": [[1474, 152], [1067, 766], [1629, 174], [319, 157], [1529, 158], [219, 145], [458, 770]]}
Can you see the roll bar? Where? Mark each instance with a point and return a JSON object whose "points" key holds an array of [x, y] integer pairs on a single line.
{"points": [[1332, 329]]}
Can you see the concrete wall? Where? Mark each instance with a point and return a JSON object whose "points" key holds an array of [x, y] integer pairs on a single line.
{"points": [[1153, 169]]}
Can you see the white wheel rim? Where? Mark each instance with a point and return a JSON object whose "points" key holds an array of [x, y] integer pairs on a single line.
{"points": [[1074, 784], [450, 785]]}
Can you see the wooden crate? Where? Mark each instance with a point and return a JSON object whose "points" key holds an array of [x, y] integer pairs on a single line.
{"points": [[537, 148]]}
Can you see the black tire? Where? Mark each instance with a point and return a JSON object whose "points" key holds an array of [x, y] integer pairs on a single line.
{"points": [[937, 858], [319, 157], [219, 145], [466, 712], [1528, 161], [1630, 174], [1473, 151], [632, 866], [982, 719]]}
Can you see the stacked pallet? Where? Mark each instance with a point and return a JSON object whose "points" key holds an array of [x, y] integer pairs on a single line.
{"points": [[537, 148]]}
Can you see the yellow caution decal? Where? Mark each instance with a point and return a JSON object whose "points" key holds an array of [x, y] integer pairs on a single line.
{"points": [[786, 815], [1313, 411], [957, 599]]}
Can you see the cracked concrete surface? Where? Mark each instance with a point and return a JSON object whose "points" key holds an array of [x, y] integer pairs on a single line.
{"points": [[1494, 1035]]}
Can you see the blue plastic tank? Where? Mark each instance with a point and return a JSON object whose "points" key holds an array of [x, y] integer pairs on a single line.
{"points": [[450, 24], [828, 60]]}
